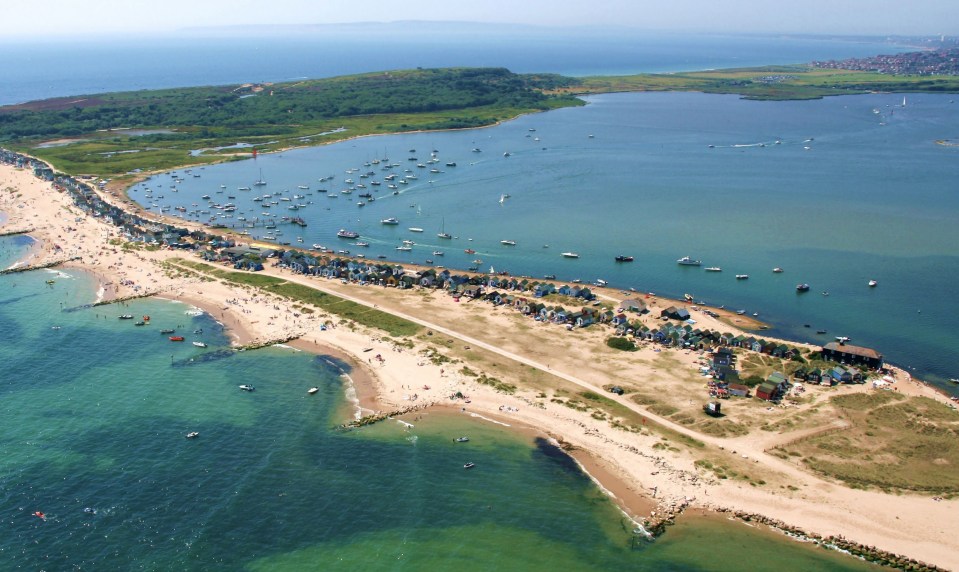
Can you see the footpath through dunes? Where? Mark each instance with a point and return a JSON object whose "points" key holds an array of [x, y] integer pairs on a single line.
{"points": [[512, 370]]}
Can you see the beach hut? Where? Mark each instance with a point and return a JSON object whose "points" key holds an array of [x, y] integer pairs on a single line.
{"points": [[766, 391], [675, 313], [843, 353], [738, 389], [634, 305]]}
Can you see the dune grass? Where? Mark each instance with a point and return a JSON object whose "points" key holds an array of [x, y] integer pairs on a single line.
{"points": [[894, 443], [363, 315]]}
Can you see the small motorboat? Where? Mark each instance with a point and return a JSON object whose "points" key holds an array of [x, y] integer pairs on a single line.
{"points": [[802, 287], [312, 390], [126, 317], [176, 338], [245, 387], [624, 258], [820, 331], [140, 323], [469, 465], [167, 331], [199, 344], [872, 283], [193, 435], [742, 277], [777, 270], [463, 439]]}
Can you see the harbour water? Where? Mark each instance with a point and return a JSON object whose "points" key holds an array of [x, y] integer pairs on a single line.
{"points": [[94, 416], [837, 192]]}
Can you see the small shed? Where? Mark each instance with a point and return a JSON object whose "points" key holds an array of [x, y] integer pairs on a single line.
{"points": [[738, 389], [713, 408]]}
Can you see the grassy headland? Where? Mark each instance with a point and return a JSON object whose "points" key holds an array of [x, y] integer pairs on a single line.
{"points": [[116, 133]]}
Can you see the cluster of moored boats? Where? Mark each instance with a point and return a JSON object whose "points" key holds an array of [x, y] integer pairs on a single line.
{"points": [[802, 287], [165, 331]]}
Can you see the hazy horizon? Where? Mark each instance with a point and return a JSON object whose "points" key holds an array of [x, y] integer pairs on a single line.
{"points": [[96, 18]]}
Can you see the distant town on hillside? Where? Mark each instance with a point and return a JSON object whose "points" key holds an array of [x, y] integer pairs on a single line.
{"points": [[937, 62]]}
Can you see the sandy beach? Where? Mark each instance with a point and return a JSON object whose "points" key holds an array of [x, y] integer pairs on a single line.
{"points": [[644, 468]]}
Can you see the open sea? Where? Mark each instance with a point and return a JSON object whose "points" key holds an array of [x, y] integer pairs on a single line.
{"points": [[95, 409]]}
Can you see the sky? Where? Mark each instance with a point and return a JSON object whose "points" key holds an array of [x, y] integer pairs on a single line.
{"points": [[846, 17]]}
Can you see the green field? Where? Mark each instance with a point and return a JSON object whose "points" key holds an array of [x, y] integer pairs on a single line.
{"points": [[768, 83]]}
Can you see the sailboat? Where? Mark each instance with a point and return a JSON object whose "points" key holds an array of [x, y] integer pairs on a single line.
{"points": [[259, 182], [442, 233]]}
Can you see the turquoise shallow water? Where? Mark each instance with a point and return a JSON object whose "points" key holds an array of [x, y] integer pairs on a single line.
{"points": [[836, 191], [92, 429]]}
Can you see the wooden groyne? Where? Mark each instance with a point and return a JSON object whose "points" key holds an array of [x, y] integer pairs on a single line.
{"points": [[31, 267], [16, 232]]}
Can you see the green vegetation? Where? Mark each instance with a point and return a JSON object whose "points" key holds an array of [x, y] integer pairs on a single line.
{"points": [[345, 309], [269, 116], [894, 443], [620, 343], [769, 83], [500, 386], [723, 471]]}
